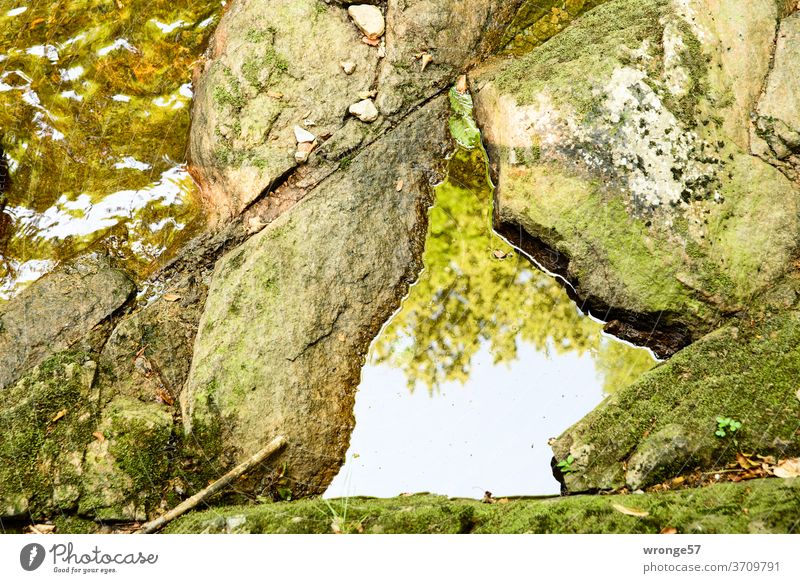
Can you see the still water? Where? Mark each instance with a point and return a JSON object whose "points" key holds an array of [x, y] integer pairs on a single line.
{"points": [[94, 118], [486, 359]]}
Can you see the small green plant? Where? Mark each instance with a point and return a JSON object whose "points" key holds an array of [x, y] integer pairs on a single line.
{"points": [[565, 465], [727, 426]]}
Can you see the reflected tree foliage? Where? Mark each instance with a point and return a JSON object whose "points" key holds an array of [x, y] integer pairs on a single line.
{"points": [[476, 290]]}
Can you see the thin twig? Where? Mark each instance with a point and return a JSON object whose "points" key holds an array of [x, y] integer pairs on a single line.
{"points": [[159, 523]]}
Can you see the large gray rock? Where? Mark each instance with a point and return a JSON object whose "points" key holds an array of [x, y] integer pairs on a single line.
{"points": [[291, 312], [621, 152], [57, 311]]}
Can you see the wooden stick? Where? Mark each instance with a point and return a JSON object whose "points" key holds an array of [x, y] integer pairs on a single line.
{"points": [[244, 467]]}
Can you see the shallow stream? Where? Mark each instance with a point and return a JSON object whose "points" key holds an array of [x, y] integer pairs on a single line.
{"points": [[94, 118]]}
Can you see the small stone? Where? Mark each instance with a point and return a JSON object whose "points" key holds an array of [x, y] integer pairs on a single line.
{"points": [[382, 50], [364, 110], [461, 84], [302, 135], [303, 151], [426, 60], [368, 19], [348, 67]]}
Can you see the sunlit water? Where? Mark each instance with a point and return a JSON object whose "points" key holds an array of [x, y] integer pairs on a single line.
{"points": [[486, 359], [94, 117]]}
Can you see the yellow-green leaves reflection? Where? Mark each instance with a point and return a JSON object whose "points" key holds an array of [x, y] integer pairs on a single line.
{"points": [[94, 117], [475, 289]]}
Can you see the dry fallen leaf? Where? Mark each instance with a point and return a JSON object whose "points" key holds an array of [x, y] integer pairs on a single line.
{"points": [[669, 530], [500, 254], [399, 186], [41, 528], [171, 297], [630, 511], [370, 41], [744, 461], [58, 415], [98, 435], [275, 94], [164, 396], [788, 468]]}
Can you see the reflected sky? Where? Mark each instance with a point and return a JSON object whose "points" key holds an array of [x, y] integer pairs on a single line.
{"points": [[486, 359]]}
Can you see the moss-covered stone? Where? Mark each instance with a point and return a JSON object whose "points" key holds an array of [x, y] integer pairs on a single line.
{"points": [[759, 506], [127, 471], [622, 157], [665, 423], [46, 420]]}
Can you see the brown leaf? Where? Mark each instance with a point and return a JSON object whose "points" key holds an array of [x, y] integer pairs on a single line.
{"points": [[98, 435], [744, 461], [669, 530], [171, 297], [788, 468], [165, 396], [500, 254], [630, 511], [399, 186], [373, 42], [58, 415], [41, 528]]}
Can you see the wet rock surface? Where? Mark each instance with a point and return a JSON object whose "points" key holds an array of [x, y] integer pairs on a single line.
{"points": [[58, 312]]}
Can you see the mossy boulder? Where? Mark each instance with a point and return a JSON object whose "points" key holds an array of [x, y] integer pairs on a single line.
{"points": [[290, 313], [67, 445], [46, 421], [665, 424], [621, 154], [758, 506]]}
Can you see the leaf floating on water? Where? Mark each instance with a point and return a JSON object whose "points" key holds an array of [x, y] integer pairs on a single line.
{"points": [[788, 468], [630, 511], [171, 297], [58, 415]]}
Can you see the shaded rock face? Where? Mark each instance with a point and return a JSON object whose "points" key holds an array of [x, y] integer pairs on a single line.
{"points": [[665, 423], [622, 159], [57, 312], [291, 312]]}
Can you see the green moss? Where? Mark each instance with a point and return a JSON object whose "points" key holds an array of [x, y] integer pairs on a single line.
{"points": [[46, 422], [73, 525], [756, 506], [568, 70], [748, 372]]}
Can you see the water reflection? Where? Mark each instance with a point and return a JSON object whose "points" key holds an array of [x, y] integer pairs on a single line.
{"points": [[486, 359], [94, 119]]}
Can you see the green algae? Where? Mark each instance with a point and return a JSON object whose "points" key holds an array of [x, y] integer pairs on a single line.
{"points": [[94, 102]]}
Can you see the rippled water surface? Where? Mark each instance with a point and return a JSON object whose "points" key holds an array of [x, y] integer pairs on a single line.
{"points": [[486, 359], [94, 116]]}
